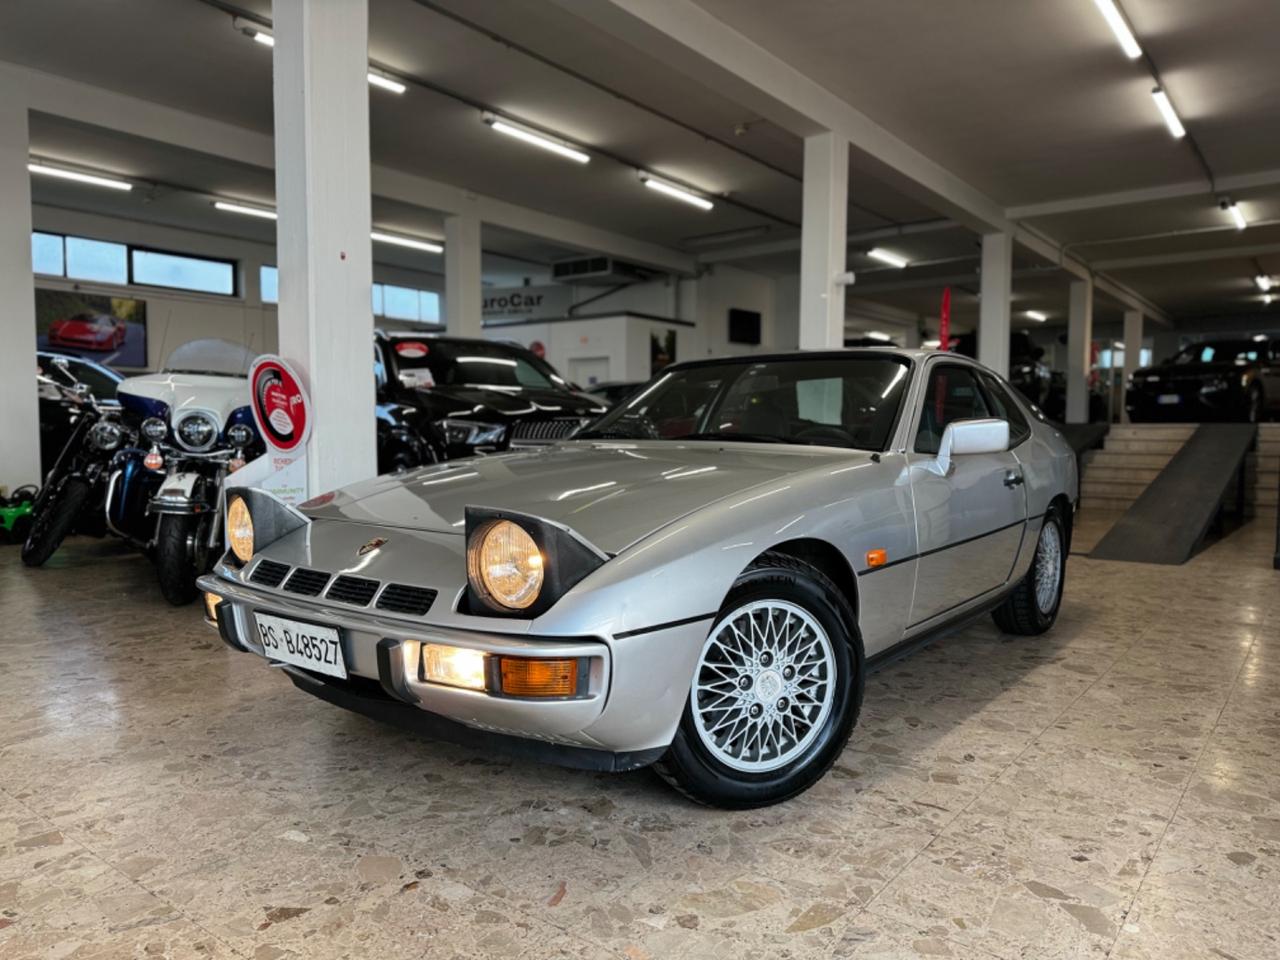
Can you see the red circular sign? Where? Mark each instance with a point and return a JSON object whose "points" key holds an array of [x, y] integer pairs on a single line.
{"points": [[280, 405]]}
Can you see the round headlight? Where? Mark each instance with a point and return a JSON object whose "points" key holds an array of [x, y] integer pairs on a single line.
{"points": [[154, 429], [196, 431], [239, 434], [505, 566], [105, 435], [240, 529]]}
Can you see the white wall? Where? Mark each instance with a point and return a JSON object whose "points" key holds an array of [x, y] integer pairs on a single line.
{"points": [[618, 345]]}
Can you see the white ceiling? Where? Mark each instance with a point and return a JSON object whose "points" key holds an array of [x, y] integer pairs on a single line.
{"points": [[1029, 102]]}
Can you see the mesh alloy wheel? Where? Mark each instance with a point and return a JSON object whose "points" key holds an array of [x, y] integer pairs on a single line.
{"points": [[1048, 567], [764, 686]]}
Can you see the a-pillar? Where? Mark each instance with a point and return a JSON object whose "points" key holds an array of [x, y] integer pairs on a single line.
{"points": [[19, 415], [463, 292], [1079, 349], [323, 200], [1132, 348], [822, 241], [994, 304]]}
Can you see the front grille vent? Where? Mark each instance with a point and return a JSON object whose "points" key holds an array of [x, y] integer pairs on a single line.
{"points": [[268, 573], [353, 590], [309, 583], [543, 431], [402, 598]]}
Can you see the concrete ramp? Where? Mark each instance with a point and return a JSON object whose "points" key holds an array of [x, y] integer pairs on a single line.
{"points": [[1169, 519]]}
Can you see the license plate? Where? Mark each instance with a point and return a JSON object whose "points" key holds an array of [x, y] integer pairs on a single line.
{"points": [[300, 644], [1168, 399]]}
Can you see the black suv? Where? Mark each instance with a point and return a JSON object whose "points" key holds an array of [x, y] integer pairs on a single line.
{"points": [[1212, 380], [472, 396]]}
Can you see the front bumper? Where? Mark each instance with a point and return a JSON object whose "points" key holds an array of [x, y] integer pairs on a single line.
{"points": [[1192, 405], [626, 718]]}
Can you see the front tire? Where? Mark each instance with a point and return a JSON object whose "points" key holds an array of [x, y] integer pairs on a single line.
{"points": [[776, 691], [54, 520], [179, 557], [1032, 607]]}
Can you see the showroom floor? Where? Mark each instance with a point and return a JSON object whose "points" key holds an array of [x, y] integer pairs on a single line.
{"points": [[1113, 787]]}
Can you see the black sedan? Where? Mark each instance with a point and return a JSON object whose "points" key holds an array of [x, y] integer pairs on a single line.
{"points": [[477, 396], [1212, 380]]}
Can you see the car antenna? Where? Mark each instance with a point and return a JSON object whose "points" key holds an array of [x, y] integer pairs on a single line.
{"points": [[875, 457]]}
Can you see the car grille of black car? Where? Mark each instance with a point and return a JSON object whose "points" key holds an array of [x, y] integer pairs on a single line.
{"points": [[543, 431], [268, 573], [402, 598], [308, 583], [354, 590]]}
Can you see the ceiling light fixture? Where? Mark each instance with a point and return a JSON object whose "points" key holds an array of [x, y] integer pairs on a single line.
{"points": [[64, 174], [534, 137], [878, 335], [228, 207], [1035, 315], [884, 256], [671, 190], [1231, 207], [1170, 115], [1267, 298], [254, 31], [1115, 20], [1264, 282], [386, 83], [931, 344], [413, 244]]}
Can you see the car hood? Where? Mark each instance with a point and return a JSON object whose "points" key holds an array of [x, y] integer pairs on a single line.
{"points": [[504, 403], [611, 494], [168, 394]]}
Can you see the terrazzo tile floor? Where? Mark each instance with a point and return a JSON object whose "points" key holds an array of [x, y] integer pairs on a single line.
{"points": [[1110, 789]]}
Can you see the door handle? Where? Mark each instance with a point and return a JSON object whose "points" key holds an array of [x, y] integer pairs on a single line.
{"points": [[1013, 478]]}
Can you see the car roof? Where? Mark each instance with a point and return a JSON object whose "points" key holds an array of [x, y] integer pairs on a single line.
{"points": [[904, 353]]}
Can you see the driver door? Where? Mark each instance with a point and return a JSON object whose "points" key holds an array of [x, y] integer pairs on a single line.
{"points": [[969, 522]]}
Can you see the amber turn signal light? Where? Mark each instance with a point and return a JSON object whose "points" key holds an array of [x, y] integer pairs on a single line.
{"points": [[539, 678], [211, 601], [877, 558]]}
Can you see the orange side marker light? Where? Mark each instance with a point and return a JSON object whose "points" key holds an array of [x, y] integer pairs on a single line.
{"points": [[877, 558]]}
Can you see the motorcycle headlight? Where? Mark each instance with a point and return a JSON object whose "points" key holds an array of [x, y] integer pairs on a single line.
{"points": [[196, 431], [505, 566], [240, 529], [106, 435], [471, 433], [154, 429], [240, 434]]}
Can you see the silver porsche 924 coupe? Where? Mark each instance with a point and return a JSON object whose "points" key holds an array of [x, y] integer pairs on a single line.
{"points": [[699, 580]]}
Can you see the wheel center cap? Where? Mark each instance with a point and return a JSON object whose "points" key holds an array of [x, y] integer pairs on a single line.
{"points": [[768, 685]]}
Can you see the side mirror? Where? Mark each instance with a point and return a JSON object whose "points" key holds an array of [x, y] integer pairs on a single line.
{"points": [[968, 437]]}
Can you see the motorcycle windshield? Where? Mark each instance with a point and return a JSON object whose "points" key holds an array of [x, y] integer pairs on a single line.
{"points": [[211, 356]]}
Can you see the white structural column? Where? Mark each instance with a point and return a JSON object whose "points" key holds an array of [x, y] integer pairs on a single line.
{"points": [[823, 255], [1132, 348], [19, 416], [994, 304], [463, 293], [323, 246], [1079, 349]]}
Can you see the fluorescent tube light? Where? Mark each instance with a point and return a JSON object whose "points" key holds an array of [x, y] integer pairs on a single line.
{"points": [[64, 174], [1115, 20], [1236, 215], [248, 211], [1264, 282], [884, 256], [410, 242], [1035, 315], [931, 344], [1267, 298], [386, 83], [1170, 115], [878, 335], [679, 193], [535, 138]]}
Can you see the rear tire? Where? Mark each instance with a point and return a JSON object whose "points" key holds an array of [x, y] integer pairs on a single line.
{"points": [[776, 691], [178, 557], [55, 519], [1032, 607]]}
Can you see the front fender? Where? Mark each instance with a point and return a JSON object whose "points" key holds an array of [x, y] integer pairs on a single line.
{"points": [[178, 494]]}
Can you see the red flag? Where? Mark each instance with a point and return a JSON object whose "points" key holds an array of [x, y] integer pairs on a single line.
{"points": [[944, 324]]}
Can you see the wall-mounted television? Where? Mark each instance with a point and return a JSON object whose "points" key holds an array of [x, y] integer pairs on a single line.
{"points": [[744, 326]]}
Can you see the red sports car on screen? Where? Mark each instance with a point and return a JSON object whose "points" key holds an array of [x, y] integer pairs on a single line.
{"points": [[88, 331]]}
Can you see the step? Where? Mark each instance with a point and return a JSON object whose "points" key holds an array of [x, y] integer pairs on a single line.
{"points": [[1122, 460], [1151, 431], [1106, 474], [1265, 495], [1120, 445], [1111, 490], [1095, 505]]}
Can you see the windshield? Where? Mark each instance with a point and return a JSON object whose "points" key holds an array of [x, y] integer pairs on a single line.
{"points": [[431, 362], [848, 401], [1219, 351], [211, 356]]}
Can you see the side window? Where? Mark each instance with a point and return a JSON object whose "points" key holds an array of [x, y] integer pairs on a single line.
{"points": [[1006, 408], [952, 394]]}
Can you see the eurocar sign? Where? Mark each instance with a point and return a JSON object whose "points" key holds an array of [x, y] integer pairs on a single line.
{"points": [[525, 302]]}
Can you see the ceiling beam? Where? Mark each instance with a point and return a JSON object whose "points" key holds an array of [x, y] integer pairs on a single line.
{"points": [[100, 107], [792, 244], [684, 37], [1126, 198], [1189, 256]]}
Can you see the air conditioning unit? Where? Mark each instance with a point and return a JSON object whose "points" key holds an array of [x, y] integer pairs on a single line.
{"points": [[599, 272]]}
